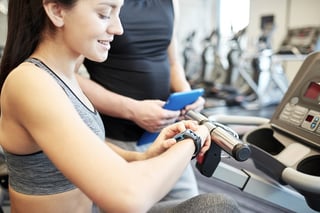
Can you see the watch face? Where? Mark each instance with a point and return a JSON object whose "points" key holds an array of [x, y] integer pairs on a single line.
{"points": [[186, 134]]}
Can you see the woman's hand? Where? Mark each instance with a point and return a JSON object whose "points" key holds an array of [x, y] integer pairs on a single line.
{"points": [[166, 137], [204, 133]]}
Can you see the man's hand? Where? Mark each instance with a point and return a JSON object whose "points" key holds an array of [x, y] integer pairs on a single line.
{"points": [[197, 106], [150, 115]]}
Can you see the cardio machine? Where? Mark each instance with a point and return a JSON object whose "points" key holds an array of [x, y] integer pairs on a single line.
{"points": [[285, 148]]}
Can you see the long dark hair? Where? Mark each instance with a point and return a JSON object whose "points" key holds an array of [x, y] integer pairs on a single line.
{"points": [[26, 22]]}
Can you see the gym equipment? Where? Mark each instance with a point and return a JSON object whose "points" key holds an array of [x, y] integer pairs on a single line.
{"points": [[262, 72], [214, 75], [302, 40], [218, 83], [286, 148], [269, 81], [191, 62], [252, 81], [211, 61], [224, 138]]}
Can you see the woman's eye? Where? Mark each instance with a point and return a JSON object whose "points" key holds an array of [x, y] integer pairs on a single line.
{"points": [[104, 16]]}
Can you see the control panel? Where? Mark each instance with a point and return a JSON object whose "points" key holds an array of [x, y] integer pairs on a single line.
{"points": [[299, 112]]}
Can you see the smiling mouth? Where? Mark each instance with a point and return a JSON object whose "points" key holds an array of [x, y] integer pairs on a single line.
{"points": [[105, 43]]}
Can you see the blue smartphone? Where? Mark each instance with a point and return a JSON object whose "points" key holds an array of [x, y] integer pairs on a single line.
{"points": [[176, 101]]}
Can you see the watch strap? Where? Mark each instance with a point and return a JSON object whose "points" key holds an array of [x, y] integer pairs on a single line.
{"points": [[192, 135]]}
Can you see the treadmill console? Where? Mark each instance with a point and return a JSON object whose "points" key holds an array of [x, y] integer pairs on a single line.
{"points": [[299, 112]]}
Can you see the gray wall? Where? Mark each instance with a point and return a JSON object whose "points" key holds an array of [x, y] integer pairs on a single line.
{"points": [[3, 28], [196, 15], [3, 22], [287, 13], [200, 15]]}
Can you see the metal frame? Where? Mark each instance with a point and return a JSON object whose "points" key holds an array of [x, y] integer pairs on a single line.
{"points": [[262, 188]]}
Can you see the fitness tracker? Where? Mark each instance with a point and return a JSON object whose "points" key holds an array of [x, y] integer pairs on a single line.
{"points": [[190, 134]]}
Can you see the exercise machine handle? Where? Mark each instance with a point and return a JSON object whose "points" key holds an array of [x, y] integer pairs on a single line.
{"points": [[223, 136]]}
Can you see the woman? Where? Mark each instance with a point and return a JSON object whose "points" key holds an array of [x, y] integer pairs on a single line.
{"points": [[141, 71], [53, 137]]}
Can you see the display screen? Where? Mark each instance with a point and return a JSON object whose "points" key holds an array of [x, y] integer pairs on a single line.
{"points": [[309, 118], [313, 91]]}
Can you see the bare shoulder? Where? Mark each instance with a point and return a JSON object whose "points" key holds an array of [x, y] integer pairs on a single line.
{"points": [[26, 80], [28, 90], [25, 76]]}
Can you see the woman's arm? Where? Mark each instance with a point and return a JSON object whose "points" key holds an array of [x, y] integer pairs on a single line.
{"points": [[113, 183]]}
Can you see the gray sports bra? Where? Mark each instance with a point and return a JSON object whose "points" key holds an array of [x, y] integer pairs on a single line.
{"points": [[35, 174]]}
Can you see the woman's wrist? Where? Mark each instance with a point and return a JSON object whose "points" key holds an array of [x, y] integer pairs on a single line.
{"points": [[189, 134]]}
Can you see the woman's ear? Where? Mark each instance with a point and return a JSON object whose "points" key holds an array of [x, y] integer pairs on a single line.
{"points": [[54, 12]]}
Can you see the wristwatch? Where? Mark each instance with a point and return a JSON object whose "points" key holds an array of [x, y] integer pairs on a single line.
{"points": [[192, 135]]}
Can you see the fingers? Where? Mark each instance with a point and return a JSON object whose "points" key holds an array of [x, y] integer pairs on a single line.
{"points": [[163, 124], [173, 129], [170, 131], [205, 146], [168, 143], [168, 118], [188, 124], [204, 133], [196, 106]]}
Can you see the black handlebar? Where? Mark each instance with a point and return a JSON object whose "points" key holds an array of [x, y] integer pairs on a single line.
{"points": [[224, 138]]}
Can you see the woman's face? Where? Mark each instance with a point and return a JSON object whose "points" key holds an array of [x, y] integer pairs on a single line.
{"points": [[90, 26]]}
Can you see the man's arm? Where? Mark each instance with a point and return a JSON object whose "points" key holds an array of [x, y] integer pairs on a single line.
{"points": [[107, 102], [177, 73], [148, 114]]}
